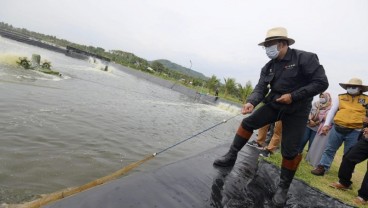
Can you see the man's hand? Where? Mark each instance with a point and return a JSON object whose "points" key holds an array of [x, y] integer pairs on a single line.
{"points": [[325, 130], [247, 108], [365, 133], [365, 120], [312, 123], [285, 98]]}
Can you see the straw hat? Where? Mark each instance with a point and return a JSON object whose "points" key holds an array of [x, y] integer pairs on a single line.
{"points": [[277, 33], [355, 82]]}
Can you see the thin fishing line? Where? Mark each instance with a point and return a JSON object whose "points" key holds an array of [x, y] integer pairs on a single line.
{"points": [[281, 111], [176, 144]]}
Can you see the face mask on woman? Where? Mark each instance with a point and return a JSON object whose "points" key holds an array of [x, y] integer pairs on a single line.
{"points": [[353, 90], [272, 51], [322, 100]]}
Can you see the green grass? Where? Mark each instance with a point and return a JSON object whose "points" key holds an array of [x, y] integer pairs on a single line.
{"points": [[322, 182]]}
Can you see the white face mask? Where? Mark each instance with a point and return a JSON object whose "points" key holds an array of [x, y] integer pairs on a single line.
{"points": [[272, 51], [322, 100], [353, 91]]}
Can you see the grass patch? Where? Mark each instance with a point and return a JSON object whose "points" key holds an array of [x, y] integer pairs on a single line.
{"points": [[322, 182]]}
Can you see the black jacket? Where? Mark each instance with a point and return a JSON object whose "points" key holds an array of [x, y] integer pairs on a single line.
{"points": [[298, 73]]}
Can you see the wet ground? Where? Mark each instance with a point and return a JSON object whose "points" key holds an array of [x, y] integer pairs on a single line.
{"points": [[194, 182]]}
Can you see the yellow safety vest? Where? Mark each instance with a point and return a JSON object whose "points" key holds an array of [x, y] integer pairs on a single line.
{"points": [[351, 111]]}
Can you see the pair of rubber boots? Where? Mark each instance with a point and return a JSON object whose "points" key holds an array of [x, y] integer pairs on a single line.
{"points": [[286, 177]]}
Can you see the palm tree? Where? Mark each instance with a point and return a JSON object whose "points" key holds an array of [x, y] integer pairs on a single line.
{"points": [[212, 83], [245, 91], [230, 86]]}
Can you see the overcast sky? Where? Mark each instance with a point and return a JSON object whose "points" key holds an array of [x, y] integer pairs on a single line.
{"points": [[219, 37]]}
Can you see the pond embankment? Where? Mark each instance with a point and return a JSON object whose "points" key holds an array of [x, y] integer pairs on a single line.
{"points": [[177, 86]]}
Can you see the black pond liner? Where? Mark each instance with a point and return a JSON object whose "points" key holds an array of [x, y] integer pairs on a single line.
{"points": [[195, 182]]}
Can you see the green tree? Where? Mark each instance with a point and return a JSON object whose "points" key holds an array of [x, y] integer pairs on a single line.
{"points": [[245, 91], [230, 86], [212, 83], [158, 67]]}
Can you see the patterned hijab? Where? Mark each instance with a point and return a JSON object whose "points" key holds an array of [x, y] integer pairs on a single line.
{"points": [[321, 109], [327, 104]]}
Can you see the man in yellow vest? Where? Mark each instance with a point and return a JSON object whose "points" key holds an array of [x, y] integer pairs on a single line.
{"points": [[347, 113]]}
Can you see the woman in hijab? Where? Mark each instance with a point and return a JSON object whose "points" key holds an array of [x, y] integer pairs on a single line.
{"points": [[318, 144]]}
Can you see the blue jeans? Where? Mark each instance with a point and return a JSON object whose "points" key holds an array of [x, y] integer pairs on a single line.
{"points": [[335, 140], [308, 137]]}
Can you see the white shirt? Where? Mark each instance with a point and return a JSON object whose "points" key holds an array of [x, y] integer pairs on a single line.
{"points": [[332, 112]]}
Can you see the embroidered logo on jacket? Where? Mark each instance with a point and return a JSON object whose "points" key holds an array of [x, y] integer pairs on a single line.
{"points": [[291, 66], [361, 100]]}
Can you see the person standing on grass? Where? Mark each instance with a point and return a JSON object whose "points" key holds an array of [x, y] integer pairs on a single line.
{"points": [[216, 93], [357, 154], [274, 142], [316, 120], [320, 140], [294, 78], [347, 112]]}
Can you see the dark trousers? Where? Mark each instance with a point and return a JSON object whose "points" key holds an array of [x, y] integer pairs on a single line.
{"points": [[294, 120], [358, 153]]}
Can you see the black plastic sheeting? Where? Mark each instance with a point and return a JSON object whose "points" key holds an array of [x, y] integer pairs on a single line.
{"points": [[195, 182]]}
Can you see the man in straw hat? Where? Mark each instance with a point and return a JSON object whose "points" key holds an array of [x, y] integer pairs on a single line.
{"points": [[286, 85], [347, 113]]}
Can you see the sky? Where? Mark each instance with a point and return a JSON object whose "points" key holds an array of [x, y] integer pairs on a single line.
{"points": [[219, 37]]}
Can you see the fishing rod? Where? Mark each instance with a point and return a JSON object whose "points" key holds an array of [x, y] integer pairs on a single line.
{"points": [[48, 198], [209, 128]]}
